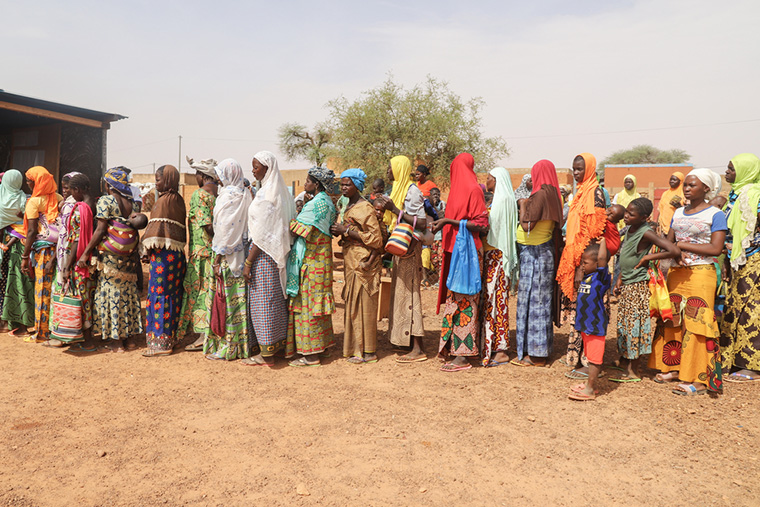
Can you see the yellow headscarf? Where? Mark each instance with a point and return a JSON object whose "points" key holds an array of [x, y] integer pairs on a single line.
{"points": [[401, 167], [625, 196]]}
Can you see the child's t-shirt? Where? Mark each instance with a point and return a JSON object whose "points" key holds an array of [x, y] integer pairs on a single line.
{"points": [[612, 237], [591, 315]]}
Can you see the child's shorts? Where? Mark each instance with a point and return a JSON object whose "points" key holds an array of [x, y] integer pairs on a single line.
{"points": [[593, 346]]}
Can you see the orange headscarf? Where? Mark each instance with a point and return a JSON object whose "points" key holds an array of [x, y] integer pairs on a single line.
{"points": [[666, 210], [44, 186], [585, 222]]}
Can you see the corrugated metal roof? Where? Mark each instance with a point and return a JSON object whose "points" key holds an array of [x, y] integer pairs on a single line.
{"points": [[47, 105]]}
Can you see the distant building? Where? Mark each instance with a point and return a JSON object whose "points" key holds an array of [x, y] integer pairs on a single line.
{"points": [[59, 137]]}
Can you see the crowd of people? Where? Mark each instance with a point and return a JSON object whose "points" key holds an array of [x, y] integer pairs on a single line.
{"points": [[252, 275]]}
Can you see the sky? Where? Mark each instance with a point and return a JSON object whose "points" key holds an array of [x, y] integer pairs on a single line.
{"points": [[558, 78]]}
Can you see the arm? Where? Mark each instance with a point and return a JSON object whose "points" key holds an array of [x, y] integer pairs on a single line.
{"points": [[69, 260], [409, 219], [97, 237], [255, 251], [526, 225], [669, 250], [209, 230], [714, 247], [603, 258], [473, 228], [218, 264], [31, 237]]}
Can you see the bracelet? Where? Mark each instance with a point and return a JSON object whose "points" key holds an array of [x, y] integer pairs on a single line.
{"points": [[248, 263], [348, 229]]}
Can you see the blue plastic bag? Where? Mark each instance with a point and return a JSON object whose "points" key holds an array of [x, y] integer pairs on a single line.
{"points": [[464, 270]]}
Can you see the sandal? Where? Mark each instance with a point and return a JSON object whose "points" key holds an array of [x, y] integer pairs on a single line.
{"points": [[301, 362], [582, 396], [155, 353], [248, 361], [688, 390], [406, 359], [451, 367], [194, 348], [53, 344], [660, 378]]}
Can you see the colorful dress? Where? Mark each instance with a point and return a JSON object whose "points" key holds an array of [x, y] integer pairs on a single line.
{"points": [[267, 308], [167, 271], [199, 279], [117, 313], [460, 328], [362, 287], [692, 348], [634, 325], [18, 309], [234, 344], [310, 329], [495, 332], [43, 252]]}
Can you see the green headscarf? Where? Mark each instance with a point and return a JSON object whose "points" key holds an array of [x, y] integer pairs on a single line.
{"points": [[743, 217], [12, 198], [502, 232]]}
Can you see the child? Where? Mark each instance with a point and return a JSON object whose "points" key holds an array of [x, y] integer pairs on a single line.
{"points": [[591, 315], [615, 214], [634, 327]]}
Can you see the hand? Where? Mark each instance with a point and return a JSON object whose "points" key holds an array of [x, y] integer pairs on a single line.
{"points": [[65, 275], [218, 269], [338, 229], [247, 273], [145, 259], [618, 284], [725, 274], [386, 202], [25, 267], [643, 262], [364, 266], [578, 278], [438, 224], [82, 263], [49, 266]]}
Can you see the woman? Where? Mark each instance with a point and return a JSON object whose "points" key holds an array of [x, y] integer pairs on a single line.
{"points": [[199, 279], [460, 331], [740, 338], [670, 201], [361, 235], [227, 244], [539, 241], [585, 223], [501, 266], [164, 239], [117, 315], [17, 288], [629, 193], [406, 204], [421, 174], [310, 330], [689, 351], [269, 217], [41, 237]]}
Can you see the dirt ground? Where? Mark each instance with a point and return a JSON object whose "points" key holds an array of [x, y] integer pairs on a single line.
{"points": [[121, 429]]}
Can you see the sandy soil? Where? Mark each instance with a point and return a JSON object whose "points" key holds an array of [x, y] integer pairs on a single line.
{"points": [[120, 429]]}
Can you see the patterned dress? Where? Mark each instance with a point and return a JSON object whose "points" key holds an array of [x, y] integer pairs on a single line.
{"points": [[495, 332], [199, 279], [267, 308], [117, 303], [234, 345], [167, 271], [460, 327], [310, 329], [634, 325], [19, 289]]}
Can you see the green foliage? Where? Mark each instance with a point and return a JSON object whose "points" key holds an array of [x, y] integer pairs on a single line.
{"points": [[297, 143], [428, 123], [645, 154]]}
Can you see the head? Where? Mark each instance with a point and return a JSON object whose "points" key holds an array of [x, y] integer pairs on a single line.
{"points": [[490, 183], [564, 191], [629, 183], [347, 188], [65, 191], [259, 169], [138, 221], [324, 177], [730, 172], [160, 184], [718, 201], [590, 259], [400, 169], [79, 186], [421, 174], [312, 186], [379, 210], [40, 181], [675, 181], [378, 186], [435, 196], [638, 211], [579, 169], [529, 183], [693, 189], [615, 213], [299, 205]]}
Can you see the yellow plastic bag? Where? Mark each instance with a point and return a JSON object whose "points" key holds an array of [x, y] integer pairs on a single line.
{"points": [[659, 298]]}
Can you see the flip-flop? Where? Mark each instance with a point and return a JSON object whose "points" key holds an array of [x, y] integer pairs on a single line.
{"points": [[47, 344], [581, 396], [301, 363], [452, 368], [494, 364], [251, 362], [194, 348], [407, 360], [741, 378], [520, 362], [19, 335], [658, 379], [576, 375], [625, 379], [33, 339], [688, 390], [214, 357], [79, 347], [151, 353]]}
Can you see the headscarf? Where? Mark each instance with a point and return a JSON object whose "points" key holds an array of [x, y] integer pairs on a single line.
{"points": [[44, 186], [166, 227], [12, 198], [323, 175], [269, 215], [742, 220], [542, 204], [230, 215], [625, 196], [206, 167], [666, 210], [585, 222], [543, 173], [711, 179], [357, 176], [70, 175], [117, 179], [401, 167], [502, 232], [522, 191]]}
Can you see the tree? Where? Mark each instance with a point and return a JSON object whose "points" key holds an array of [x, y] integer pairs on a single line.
{"points": [[428, 123], [297, 143], [645, 154]]}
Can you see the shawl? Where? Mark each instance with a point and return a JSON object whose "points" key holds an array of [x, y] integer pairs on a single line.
{"points": [[625, 196], [426, 188], [166, 227], [230, 215], [12, 198], [207, 167], [357, 176], [522, 191], [503, 221], [585, 222], [85, 234], [542, 205], [711, 179], [44, 186], [402, 180], [118, 180], [666, 210], [466, 200], [270, 213], [320, 213], [742, 220]]}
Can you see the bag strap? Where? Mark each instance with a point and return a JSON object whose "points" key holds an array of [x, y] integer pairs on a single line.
{"points": [[400, 214]]}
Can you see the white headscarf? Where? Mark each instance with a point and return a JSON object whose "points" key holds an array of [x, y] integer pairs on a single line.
{"points": [[709, 178], [502, 233], [230, 215], [269, 216]]}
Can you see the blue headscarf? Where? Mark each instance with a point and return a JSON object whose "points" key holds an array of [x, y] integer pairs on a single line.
{"points": [[117, 179], [357, 177]]}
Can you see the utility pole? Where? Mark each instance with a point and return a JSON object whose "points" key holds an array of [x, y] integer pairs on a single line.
{"points": [[154, 168], [179, 160]]}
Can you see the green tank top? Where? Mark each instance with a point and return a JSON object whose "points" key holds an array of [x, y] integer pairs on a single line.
{"points": [[630, 257]]}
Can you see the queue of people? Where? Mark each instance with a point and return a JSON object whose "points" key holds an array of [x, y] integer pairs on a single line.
{"points": [[252, 275]]}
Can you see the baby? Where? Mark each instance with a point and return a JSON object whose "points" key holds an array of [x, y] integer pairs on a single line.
{"points": [[615, 214], [138, 221]]}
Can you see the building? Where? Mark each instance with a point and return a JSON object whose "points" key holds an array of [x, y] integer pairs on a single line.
{"points": [[59, 137]]}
